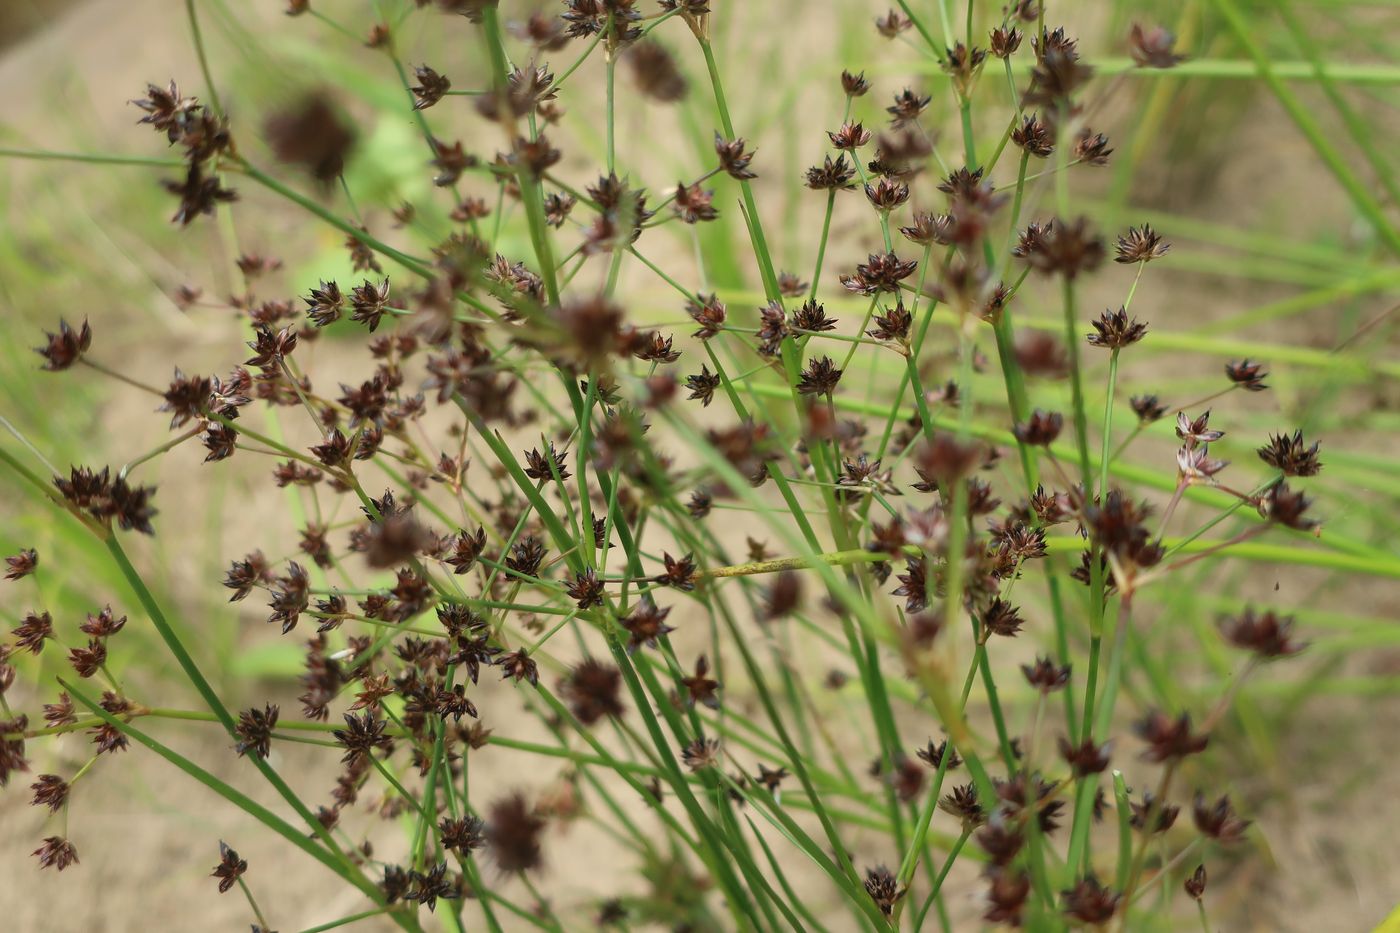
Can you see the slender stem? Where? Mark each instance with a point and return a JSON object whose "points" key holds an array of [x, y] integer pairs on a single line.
{"points": [[253, 903], [198, 37], [42, 155], [821, 245]]}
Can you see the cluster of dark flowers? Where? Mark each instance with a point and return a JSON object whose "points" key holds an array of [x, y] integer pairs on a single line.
{"points": [[514, 414]]}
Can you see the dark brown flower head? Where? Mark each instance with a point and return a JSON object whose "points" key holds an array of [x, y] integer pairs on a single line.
{"points": [[50, 791], [1168, 739], [962, 803], [832, 175], [900, 153], [361, 736], [513, 831], [544, 32], [882, 272], [1247, 374], [1086, 757], [1290, 456], [255, 730], [655, 71], [518, 665], [1147, 408], [943, 461], [694, 204], [1057, 75], [892, 24], [432, 884], [88, 661], [229, 869], [709, 313], [1034, 136], [244, 575], [430, 88], [535, 155], [57, 853], [1091, 903], [22, 564], [544, 466], [680, 573], [819, 378], [850, 137], [791, 285], [700, 687], [557, 207], [906, 108], [854, 85], [1045, 675], [1119, 525], [883, 888], [702, 385], [812, 317], [587, 331], [206, 137], [1007, 891], [335, 450], [592, 691], [1163, 815], [34, 629], [270, 347], [187, 398], [1195, 885], [462, 835], [60, 713], [1005, 41], [12, 750], [1141, 244], [771, 779], [1193, 431], [1001, 618], [65, 347], [586, 589], [963, 63], [1267, 634], [645, 624], [1113, 330], [932, 755], [450, 160], [312, 134], [1041, 429], [1091, 148], [929, 228], [167, 111], [913, 586], [395, 884], [783, 597], [526, 555], [886, 194], [1151, 47], [1287, 507], [700, 754], [700, 502], [198, 195], [1218, 820], [733, 159], [892, 325], [1062, 248], [1001, 839]]}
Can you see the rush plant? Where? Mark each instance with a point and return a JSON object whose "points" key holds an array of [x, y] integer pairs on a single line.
{"points": [[828, 589]]}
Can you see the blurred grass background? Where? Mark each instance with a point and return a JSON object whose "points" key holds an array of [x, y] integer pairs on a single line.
{"points": [[1276, 255]]}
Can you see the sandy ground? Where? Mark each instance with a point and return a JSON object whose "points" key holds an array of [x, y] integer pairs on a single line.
{"points": [[151, 835]]}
